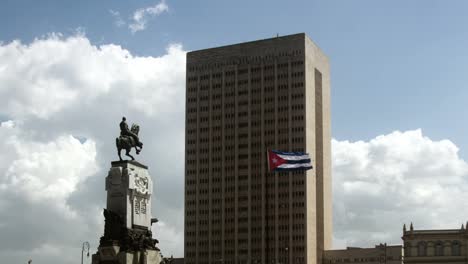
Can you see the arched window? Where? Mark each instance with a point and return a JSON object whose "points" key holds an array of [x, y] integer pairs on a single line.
{"points": [[456, 248], [407, 249], [439, 248], [421, 249]]}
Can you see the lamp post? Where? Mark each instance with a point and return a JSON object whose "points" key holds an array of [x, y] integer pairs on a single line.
{"points": [[384, 248], [385, 252], [84, 247]]}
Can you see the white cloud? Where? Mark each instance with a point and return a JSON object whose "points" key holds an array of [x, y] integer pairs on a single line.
{"points": [[57, 90], [56, 73], [7, 124], [37, 178], [51, 171], [170, 237], [141, 16], [395, 179], [118, 21]]}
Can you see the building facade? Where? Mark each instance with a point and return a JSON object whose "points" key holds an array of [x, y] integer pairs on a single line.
{"points": [[435, 246], [377, 255], [240, 101]]}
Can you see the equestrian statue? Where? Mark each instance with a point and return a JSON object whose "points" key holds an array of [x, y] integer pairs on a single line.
{"points": [[128, 139]]}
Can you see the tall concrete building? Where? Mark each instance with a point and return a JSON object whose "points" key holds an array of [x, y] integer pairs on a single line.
{"points": [[242, 100]]}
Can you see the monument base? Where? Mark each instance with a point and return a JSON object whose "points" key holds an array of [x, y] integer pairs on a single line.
{"points": [[127, 235], [111, 255]]}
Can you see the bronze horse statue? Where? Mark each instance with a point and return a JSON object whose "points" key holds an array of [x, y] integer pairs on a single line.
{"points": [[127, 143]]}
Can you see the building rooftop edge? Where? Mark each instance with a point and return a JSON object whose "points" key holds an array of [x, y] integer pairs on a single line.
{"points": [[434, 231], [245, 42], [259, 40], [363, 248]]}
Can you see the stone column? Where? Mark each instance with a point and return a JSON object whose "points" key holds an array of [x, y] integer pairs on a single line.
{"points": [[127, 235]]}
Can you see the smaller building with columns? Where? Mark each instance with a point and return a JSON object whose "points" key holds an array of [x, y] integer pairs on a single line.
{"points": [[435, 246]]}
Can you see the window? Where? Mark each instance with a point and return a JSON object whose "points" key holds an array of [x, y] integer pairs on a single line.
{"points": [[456, 248], [422, 249], [439, 248], [407, 249]]}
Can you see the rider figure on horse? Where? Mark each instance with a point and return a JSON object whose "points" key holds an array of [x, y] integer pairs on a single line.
{"points": [[125, 131]]}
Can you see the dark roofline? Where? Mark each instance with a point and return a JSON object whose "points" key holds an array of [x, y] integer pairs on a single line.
{"points": [[435, 231], [306, 37], [249, 42], [364, 248]]}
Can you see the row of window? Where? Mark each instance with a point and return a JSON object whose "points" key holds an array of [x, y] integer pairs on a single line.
{"points": [[242, 250], [217, 201], [254, 101], [231, 84], [255, 177], [203, 140], [268, 143], [439, 249], [192, 191], [255, 79], [250, 60], [380, 259], [255, 125]]}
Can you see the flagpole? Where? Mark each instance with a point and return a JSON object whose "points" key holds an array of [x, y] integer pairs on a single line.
{"points": [[267, 243], [268, 159]]}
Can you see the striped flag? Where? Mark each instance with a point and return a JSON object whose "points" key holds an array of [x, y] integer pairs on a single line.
{"points": [[288, 161]]}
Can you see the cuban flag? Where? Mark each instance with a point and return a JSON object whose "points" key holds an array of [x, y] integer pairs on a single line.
{"points": [[288, 161]]}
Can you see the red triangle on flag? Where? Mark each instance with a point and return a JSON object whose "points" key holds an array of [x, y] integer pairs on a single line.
{"points": [[274, 160]]}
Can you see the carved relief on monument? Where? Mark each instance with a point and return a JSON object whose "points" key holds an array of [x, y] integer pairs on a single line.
{"points": [[143, 205], [136, 205], [140, 182], [140, 204]]}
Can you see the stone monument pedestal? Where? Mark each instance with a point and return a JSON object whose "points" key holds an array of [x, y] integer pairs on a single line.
{"points": [[127, 235], [111, 255]]}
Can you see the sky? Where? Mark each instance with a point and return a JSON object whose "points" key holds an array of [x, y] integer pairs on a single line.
{"points": [[69, 70]]}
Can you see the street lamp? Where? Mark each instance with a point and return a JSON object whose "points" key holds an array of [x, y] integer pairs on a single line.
{"points": [[84, 247], [384, 248]]}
